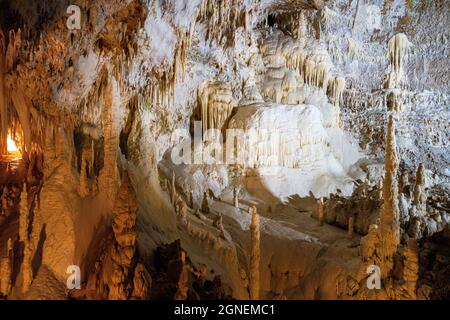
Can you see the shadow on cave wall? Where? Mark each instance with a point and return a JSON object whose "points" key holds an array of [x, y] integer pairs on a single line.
{"points": [[32, 16]]}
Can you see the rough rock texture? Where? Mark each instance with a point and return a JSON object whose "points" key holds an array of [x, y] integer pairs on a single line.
{"points": [[88, 106]]}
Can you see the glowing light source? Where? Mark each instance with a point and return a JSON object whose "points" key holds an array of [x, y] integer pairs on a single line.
{"points": [[11, 146]]}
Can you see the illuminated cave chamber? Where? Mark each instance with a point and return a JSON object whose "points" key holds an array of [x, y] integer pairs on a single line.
{"points": [[343, 107]]}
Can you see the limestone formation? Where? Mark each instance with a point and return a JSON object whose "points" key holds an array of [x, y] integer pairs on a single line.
{"points": [[369, 243], [84, 187], [411, 267], [217, 102], [27, 271], [280, 104], [24, 215], [6, 268], [183, 281], [236, 198], [351, 227], [320, 211], [420, 195], [218, 223], [205, 203], [389, 216], [254, 256], [142, 283]]}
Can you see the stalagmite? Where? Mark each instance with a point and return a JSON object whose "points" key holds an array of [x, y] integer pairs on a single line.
{"points": [[142, 283], [404, 182], [380, 188], [389, 215], [205, 203], [183, 281], [255, 255], [218, 223], [236, 198], [420, 195], [191, 199], [108, 177], [320, 211], [350, 227], [123, 225], [27, 271], [37, 226]]}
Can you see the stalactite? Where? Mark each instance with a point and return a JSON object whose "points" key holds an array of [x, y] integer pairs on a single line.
{"points": [[318, 70], [398, 47], [26, 271], [222, 18], [22, 107], [217, 103], [255, 255], [336, 89], [4, 116], [389, 215], [108, 176]]}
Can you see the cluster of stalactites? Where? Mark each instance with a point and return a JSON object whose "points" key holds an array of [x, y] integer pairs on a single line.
{"points": [[17, 115], [398, 47], [222, 18], [9, 48], [336, 87], [217, 103], [317, 70], [314, 69]]}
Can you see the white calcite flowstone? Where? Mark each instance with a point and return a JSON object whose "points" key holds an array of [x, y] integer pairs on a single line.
{"points": [[293, 151]]}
